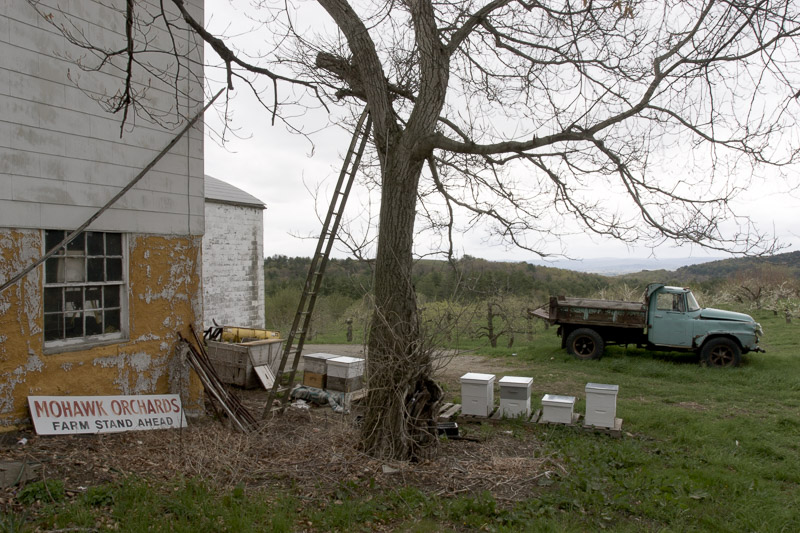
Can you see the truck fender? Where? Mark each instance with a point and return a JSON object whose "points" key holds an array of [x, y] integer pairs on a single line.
{"points": [[700, 340]]}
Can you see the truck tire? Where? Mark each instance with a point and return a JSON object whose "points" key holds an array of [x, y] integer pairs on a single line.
{"points": [[721, 352], [585, 343]]}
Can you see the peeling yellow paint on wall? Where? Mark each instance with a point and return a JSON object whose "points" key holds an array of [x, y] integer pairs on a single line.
{"points": [[164, 297]]}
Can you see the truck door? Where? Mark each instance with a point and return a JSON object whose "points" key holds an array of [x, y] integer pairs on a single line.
{"points": [[668, 322]]}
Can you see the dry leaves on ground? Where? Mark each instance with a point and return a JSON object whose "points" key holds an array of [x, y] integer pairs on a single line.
{"points": [[314, 451]]}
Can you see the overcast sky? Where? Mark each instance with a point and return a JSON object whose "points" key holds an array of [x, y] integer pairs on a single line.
{"points": [[283, 170]]}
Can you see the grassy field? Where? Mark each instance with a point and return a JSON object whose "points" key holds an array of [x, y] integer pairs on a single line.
{"points": [[703, 449]]}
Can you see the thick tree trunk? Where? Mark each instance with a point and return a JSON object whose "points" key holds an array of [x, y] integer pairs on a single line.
{"points": [[403, 402]]}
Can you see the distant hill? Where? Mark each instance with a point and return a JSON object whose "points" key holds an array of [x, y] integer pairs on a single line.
{"points": [[474, 278], [613, 266], [729, 267]]}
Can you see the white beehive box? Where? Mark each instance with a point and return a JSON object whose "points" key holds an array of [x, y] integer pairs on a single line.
{"points": [[345, 374], [477, 394], [345, 367], [601, 405], [317, 362], [315, 369], [515, 396], [558, 409]]}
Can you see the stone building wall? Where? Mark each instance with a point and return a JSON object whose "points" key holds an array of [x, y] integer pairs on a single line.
{"points": [[233, 265]]}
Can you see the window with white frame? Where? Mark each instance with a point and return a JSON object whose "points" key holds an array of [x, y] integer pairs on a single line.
{"points": [[84, 288]]}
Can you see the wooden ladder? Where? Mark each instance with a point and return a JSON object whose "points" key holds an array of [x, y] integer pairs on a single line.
{"points": [[284, 378]]}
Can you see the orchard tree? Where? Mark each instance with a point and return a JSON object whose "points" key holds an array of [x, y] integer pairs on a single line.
{"points": [[516, 116]]}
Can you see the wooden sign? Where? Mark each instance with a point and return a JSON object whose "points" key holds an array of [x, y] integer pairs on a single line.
{"points": [[64, 415]]}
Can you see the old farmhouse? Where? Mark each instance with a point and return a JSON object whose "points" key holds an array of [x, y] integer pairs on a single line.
{"points": [[101, 316]]}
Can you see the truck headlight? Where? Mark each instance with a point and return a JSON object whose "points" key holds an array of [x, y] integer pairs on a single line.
{"points": [[758, 330]]}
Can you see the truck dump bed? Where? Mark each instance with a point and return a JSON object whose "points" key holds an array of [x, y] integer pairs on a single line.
{"points": [[593, 312]]}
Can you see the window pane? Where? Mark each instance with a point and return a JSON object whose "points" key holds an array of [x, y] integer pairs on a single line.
{"points": [[73, 299], [52, 300], [73, 325], [94, 323], [94, 243], [112, 321], [113, 243], [51, 238], [94, 269], [54, 270], [77, 244], [111, 294], [53, 327], [94, 298], [75, 269], [114, 269], [89, 273]]}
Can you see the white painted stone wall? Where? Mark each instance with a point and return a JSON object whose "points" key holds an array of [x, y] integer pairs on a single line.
{"points": [[61, 155], [233, 266]]}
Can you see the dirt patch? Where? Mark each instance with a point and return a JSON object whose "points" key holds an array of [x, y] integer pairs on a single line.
{"points": [[693, 406], [314, 451]]}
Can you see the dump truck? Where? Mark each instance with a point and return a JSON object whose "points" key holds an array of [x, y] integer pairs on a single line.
{"points": [[669, 319]]}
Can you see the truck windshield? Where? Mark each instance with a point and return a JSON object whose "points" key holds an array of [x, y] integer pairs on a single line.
{"points": [[691, 303]]}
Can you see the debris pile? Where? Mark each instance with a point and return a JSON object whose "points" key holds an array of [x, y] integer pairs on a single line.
{"points": [[221, 398]]}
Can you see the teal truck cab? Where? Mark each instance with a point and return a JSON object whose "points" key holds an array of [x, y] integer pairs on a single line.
{"points": [[669, 318]]}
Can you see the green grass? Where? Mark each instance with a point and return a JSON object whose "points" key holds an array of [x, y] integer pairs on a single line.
{"points": [[704, 449]]}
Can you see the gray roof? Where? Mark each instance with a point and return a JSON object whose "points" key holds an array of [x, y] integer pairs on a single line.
{"points": [[225, 193]]}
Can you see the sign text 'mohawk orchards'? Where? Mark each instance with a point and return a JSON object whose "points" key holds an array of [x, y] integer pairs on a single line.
{"points": [[60, 415]]}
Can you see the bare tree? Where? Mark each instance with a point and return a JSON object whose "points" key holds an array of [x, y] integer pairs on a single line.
{"points": [[493, 310], [521, 115]]}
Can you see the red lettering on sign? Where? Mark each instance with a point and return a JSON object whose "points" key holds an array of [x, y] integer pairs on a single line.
{"points": [[41, 408]]}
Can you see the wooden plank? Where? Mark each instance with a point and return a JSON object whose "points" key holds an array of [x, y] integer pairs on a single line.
{"points": [[477, 418], [541, 312], [602, 304], [574, 423], [615, 432], [265, 376], [449, 410], [17, 473]]}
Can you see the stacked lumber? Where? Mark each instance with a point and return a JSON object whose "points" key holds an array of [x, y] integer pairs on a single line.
{"points": [[223, 400]]}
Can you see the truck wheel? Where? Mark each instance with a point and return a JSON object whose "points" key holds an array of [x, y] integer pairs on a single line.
{"points": [[585, 343], [721, 352]]}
